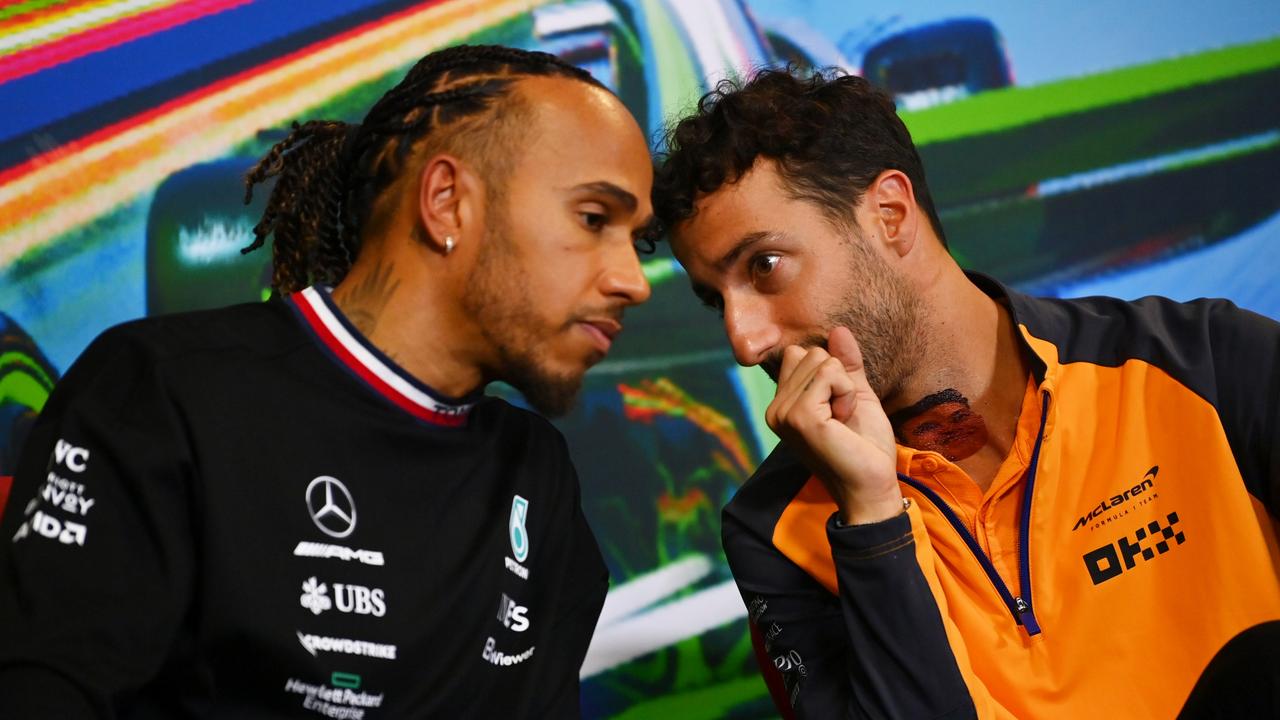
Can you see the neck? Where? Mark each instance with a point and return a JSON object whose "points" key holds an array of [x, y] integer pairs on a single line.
{"points": [[971, 347], [401, 306]]}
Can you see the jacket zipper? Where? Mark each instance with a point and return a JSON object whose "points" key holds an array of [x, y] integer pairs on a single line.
{"points": [[1020, 605]]}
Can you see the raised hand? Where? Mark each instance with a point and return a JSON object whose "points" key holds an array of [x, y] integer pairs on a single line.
{"points": [[826, 411]]}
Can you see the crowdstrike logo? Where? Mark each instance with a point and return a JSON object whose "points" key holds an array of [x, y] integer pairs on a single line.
{"points": [[331, 506], [319, 643]]}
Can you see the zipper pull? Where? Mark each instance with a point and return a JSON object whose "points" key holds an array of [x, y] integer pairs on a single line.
{"points": [[1022, 605]]}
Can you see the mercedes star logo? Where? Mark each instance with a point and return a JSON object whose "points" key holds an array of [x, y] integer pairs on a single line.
{"points": [[331, 506]]}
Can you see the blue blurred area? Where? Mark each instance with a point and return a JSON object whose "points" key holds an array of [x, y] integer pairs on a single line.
{"points": [[1242, 269]]}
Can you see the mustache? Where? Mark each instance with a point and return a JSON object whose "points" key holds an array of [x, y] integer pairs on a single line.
{"points": [[612, 311], [772, 365]]}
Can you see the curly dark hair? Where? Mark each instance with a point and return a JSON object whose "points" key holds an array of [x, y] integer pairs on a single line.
{"points": [[831, 134], [330, 174]]}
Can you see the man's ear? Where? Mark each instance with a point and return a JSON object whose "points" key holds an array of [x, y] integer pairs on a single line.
{"points": [[892, 200], [443, 193]]}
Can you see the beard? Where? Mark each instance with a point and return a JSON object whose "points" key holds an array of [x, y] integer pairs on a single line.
{"points": [[883, 313], [498, 298]]}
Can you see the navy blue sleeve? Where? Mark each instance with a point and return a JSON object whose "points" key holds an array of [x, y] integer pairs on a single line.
{"points": [[877, 650], [1246, 368]]}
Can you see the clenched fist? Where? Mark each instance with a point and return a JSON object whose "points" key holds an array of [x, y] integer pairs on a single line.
{"points": [[826, 411]]}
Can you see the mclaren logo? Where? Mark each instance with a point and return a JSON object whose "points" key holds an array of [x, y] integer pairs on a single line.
{"points": [[1148, 483], [331, 506]]}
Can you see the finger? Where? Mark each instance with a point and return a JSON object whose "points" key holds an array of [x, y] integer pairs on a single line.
{"points": [[844, 347], [800, 418], [799, 363], [815, 403], [798, 380], [791, 357]]}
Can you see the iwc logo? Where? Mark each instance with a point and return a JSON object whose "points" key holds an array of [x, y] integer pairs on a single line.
{"points": [[331, 506]]}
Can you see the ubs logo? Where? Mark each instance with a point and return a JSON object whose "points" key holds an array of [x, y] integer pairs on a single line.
{"points": [[1113, 559], [331, 506]]}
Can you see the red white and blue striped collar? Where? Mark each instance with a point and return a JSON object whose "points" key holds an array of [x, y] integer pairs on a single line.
{"points": [[359, 356]]}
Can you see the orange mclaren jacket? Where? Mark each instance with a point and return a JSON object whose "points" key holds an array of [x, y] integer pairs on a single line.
{"points": [[1130, 536]]}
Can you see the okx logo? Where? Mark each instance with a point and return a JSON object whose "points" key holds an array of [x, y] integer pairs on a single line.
{"points": [[1113, 559]]}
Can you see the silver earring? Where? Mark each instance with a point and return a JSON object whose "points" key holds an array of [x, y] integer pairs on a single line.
{"points": [[448, 244]]}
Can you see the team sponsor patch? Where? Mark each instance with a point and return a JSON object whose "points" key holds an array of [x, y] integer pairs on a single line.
{"points": [[327, 551], [493, 656], [64, 531], [347, 598], [345, 702], [512, 615], [315, 644], [1149, 542]]}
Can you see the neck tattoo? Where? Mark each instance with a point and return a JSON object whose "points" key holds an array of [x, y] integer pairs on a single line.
{"points": [[364, 301], [942, 422]]}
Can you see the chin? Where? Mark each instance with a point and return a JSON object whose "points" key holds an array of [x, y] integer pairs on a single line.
{"points": [[548, 391]]}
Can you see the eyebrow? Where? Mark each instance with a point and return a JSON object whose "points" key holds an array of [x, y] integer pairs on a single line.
{"points": [[745, 242], [706, 293], [624, 198]]}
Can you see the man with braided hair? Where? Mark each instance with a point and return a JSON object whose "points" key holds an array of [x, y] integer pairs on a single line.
{"points": [[306, 507]]}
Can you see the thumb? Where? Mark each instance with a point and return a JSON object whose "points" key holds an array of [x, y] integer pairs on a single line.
{"points": [[843, 347]]}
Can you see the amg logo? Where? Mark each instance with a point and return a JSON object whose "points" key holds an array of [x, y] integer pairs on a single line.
{"points": [[1104, 563], [324, 550], [1147, 483]]}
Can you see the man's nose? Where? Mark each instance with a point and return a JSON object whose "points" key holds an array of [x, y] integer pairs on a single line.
{"points": [[752, 332]]}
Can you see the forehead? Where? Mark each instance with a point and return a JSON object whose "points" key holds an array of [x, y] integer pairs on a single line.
{"points": [[756, 203], [578, 133]]}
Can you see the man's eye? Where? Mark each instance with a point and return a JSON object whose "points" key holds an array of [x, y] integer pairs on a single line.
{"points": [[593, 221], [926, 427], [762, 265]]}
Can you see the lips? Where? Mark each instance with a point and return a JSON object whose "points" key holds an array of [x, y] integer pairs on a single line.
{"points": [[602, 331]]}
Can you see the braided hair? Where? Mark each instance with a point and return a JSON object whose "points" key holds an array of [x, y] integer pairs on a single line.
{"points": [[331, 174]]}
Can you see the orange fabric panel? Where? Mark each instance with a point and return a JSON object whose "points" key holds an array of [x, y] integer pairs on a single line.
{"points": [[801, 532], [1129, 615]]}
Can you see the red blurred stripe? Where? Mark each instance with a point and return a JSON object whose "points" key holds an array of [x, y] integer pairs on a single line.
{"points": [[6, 482], [119, 32], [55, 9], [9, 174]]}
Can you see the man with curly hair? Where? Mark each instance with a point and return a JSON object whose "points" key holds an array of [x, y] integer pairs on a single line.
{"points": [[983, 504]]}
